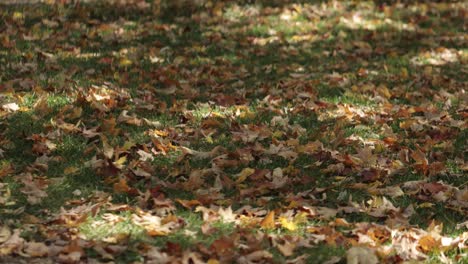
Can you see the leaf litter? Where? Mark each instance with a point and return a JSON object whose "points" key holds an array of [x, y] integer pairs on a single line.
{"points": [[242, 133]]}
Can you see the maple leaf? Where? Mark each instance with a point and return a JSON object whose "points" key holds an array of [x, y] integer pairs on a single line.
{"points": [[421, 160], [227, 215]]}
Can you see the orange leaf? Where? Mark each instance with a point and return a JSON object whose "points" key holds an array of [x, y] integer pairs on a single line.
{"points": [[121, 186], [6, 170], [188, 203], [223, 246], [269, 221], [428, 243]]}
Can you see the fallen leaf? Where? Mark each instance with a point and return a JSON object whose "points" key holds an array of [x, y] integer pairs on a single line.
{"points": [[289, 225], [361, 255], [36, 249], [269, 221]]}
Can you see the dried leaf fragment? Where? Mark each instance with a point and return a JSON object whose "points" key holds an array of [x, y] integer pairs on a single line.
{"points": [[361, 255]]}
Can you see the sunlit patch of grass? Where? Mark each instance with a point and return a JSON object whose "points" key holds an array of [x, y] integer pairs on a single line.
{"points": [[99, 229], [191, 234], [460, 141], [366, 132], [435, 257], [58, 101], [204, 110]]}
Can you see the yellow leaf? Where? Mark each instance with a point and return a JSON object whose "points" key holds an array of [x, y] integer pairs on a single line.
{"points": [[128, 145], [120, 162], [289, 225], [160, 133], [300, 218], [212, 261], [76, 113], [18, 15], [242, 176], [5, 233], [277, 134], [154, 232], [269, 221], [209, 139], [404, 73], [70, 170], [426, 205], [125, 62]]}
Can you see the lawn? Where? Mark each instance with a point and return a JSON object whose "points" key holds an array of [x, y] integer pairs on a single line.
{"points": [[233, 132]]}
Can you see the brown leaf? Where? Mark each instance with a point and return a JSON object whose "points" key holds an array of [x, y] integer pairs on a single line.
{"points": [[260, 256], [223, 246], [421, 160], [36, 249], [121, 186], [14, 243]]}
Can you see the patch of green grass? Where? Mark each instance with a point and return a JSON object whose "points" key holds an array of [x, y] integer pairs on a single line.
{"points": [[441, 214], [179, 194], [21, 126], [96, 228], [71, 148], [13, 199], [322, 253], [191, 234], [57, 101], [423, 216], [461, 142], [363, 131]]}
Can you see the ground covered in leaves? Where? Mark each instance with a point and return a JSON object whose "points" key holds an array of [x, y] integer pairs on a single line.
{"points": [[231, 132]]}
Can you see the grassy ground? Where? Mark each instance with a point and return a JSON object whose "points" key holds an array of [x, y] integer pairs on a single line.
{"points": [[248, 132]]}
